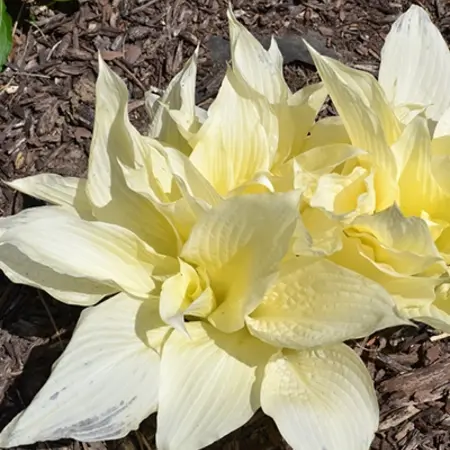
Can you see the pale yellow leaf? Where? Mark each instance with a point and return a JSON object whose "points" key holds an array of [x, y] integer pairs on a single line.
{"points": [[210, 385], [320, 303], [240, 244], [321, 399]]}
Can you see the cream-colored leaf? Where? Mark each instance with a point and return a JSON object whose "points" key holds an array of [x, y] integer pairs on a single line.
{"points": [[405, 243], [275, 54], [69, 192], [415, 63], [240, 244], [100, 252], [259, 184], [173, 116], [19, 268], [117, 144], [325, 232], [101, 388], [150, 328], [177, 205], [436, 313], [432, 316], [144, 218], [419, 190], [346, 195], [358, 256], [324, 159], [443, 125], [326, 131], [440, 162], [362, 105], [153, 178], [190, 181], [369, 120], [443, 243], [203, 305], [135, 206], [233, 144], [111, 97], [406, 112], [177, 293], [321, 399], [295, 119], [210, 385], [260, 68], [184, 214], [173, 302], [436, 227], [320, 303]]}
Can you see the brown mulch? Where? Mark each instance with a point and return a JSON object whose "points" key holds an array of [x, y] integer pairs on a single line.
{"points": [[46, 118]]}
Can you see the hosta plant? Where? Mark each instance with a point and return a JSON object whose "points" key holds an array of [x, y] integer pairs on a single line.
{"points": [[209, 255]]}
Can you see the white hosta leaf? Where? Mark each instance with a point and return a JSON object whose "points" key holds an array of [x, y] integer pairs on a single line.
{"points": [[176, 295], [153, 178], [325, 231], [19, 268], [234, 144], [191, 182], [209, 385], [116, 144], [173, 116], [425, 311], [369, 120], [440, 161], [261, 183], [240, 244], [320, 303], [150, 328], [259, 68], [203, 305], [131, 209], [346, 195], [405, 243], [419, 190], [111, 97], [443, 125], [321, 399], [415, 63], [275, 54], [435, 313], [407, 112], [326, 131], [358, 256], [324, 159], [361, 102], [171, 183], [432, 316], [436, 227], [69, 192], [295, 119], [100, 252], [140, 213], [101, 388]]}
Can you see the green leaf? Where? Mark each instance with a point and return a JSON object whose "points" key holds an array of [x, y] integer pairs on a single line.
{"points": [[5, 33]]}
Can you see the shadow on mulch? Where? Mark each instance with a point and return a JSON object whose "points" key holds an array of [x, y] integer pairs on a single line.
{"points": [[21, 11], [34, 331]]}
